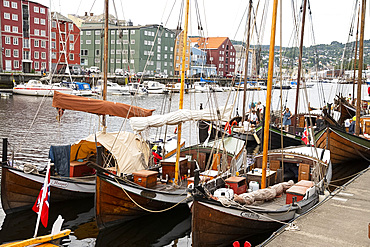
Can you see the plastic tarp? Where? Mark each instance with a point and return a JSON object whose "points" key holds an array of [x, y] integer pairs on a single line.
{"points": [[96, 106], [139, 124], [131, 153]]}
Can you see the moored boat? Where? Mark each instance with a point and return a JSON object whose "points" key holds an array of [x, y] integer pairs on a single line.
{"points": [[37, 88]]}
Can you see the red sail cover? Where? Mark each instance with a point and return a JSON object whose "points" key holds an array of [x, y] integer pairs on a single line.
{"points": [[96, 106]]}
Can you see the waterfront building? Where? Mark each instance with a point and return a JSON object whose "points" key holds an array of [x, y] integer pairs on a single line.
{"points": [[179, 48], [135, 49], [24, 36], [198, 64], [240, 61], [65, 42], [220, 52]]}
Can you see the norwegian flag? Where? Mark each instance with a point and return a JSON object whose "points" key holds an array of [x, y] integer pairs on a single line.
{"points": [[41, 206], [305, 135]]}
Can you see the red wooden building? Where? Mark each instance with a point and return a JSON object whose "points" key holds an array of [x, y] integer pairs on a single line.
{"points": [[220, 52], [24, 35], [65, 42]]}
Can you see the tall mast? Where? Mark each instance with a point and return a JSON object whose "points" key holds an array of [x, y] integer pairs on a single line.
{"points": [[299, 67], [360, 65], [181, 101], [105, 70], [246, 60], [268, 97], [354, 61]]}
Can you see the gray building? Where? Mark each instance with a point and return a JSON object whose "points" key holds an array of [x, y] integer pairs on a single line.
{"points": [[146, 48]]}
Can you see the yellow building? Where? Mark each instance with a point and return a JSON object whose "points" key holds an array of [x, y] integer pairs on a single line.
{"points": [[179, 46]]}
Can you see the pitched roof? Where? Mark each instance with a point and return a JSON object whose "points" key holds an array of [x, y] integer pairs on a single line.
{"points": [[208, 43]]}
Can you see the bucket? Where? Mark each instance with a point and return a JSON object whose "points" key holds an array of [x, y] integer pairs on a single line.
{"points": [[254, 185]]}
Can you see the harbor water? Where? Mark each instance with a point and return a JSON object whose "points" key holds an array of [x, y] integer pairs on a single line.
{"points": [[31, 126]]}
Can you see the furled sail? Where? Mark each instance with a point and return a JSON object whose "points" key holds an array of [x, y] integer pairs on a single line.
{"points": [[96, 106], [139, 124]]}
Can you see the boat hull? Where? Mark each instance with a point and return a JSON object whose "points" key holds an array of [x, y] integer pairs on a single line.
{"points": [[39, 91], [20, 190], [343, 147], [275, 138], [117, 203], [215, 225]]}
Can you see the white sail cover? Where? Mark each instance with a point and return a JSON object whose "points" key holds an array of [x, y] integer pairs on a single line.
{"points": [[130, 151], [139, 124]]}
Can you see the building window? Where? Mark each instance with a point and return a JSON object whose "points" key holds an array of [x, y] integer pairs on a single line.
{"points": [[171, 49], [125, 32], [7, 28], [166, 35], [43, 43], [71, 47], [7, 53], [132, 42], [7, 16], [158, 56], [112, 32], [15, 41], [88, 32], [170, 56], [54, 55], [124, 51], [36, 20], [42, 10], [118, 41], [54, 24], [53, 45], [36, 55], [118, 51], [132, 32], [71, 56], [132, 60], [125, 42], [53, 35], [6, 3], [26, 43], [165, 48], [97, 52], [97, 32], [111, 52], [211, 59], [165, 56], [43, 65], [71, 37], [43, 55], [36, 43], [35, 9], [15, 53], [165, 63], [43, 33], [15, 29], [124, 60], [42, 21], [111, 60], [84, 52], [7, 40], [132, 52], [97, 42], [159, 41], [88, 42], [14, 17], [70, 26], [158, 49], [37, 32], [118, 60], [16, 64], [26, 55], [112, 42], [36, 65]]}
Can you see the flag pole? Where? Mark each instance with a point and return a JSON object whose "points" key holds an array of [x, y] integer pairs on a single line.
{"points": [[44, 191]]}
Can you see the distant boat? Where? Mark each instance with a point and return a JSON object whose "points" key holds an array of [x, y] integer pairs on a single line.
{"points": [[112, 88], [37, 88], [154, 87]]}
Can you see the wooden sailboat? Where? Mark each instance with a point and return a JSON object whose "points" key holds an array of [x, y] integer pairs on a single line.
{"points": [[342, 145], [218, 220]]}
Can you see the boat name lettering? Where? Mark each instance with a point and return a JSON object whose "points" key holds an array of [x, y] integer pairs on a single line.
{"points": [[249, 215], [59, 184]]}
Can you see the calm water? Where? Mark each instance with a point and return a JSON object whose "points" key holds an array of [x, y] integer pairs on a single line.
{"points": [[31, 126]]}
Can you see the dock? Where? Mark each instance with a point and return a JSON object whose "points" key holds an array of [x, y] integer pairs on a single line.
{"points": [[342, 219]]}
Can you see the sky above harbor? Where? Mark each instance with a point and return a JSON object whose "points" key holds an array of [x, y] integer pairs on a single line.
{"points": [[330, 20]]}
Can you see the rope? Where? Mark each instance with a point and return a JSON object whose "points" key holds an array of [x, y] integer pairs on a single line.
{"points": [[146, 209]]}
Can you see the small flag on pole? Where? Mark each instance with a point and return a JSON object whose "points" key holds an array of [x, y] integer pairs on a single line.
{"points": [[42, 203], [305, 136]]}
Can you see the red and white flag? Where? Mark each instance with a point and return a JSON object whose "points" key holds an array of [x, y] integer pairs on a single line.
{"points": [[305, 135], [42, 203]]}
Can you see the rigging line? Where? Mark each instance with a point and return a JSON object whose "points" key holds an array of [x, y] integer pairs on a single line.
{"points": [[92, 6]]}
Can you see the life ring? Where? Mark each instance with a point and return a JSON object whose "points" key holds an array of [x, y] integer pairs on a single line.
{"points": [[234, 123]]}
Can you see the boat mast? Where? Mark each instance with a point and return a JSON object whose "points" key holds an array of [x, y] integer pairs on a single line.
{"points": [[181, 101], [354, 61], [105, 70], [246, 60], [268, 97], [299, 67], [360, 65]]}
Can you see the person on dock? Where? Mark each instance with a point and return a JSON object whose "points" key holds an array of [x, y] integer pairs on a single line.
{"points": [[254, 118], [319, 123], [352, 126], [287, 115]]}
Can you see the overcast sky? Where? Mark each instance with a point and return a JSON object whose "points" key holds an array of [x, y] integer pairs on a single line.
{"points": [[331, 19]]}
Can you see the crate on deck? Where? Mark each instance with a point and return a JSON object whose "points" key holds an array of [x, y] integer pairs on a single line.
{"points": [[79, 169], [237, 184], [168, 167], [145, 178]]}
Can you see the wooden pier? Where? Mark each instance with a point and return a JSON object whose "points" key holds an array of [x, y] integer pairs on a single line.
{"points": [[342, 219]]}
